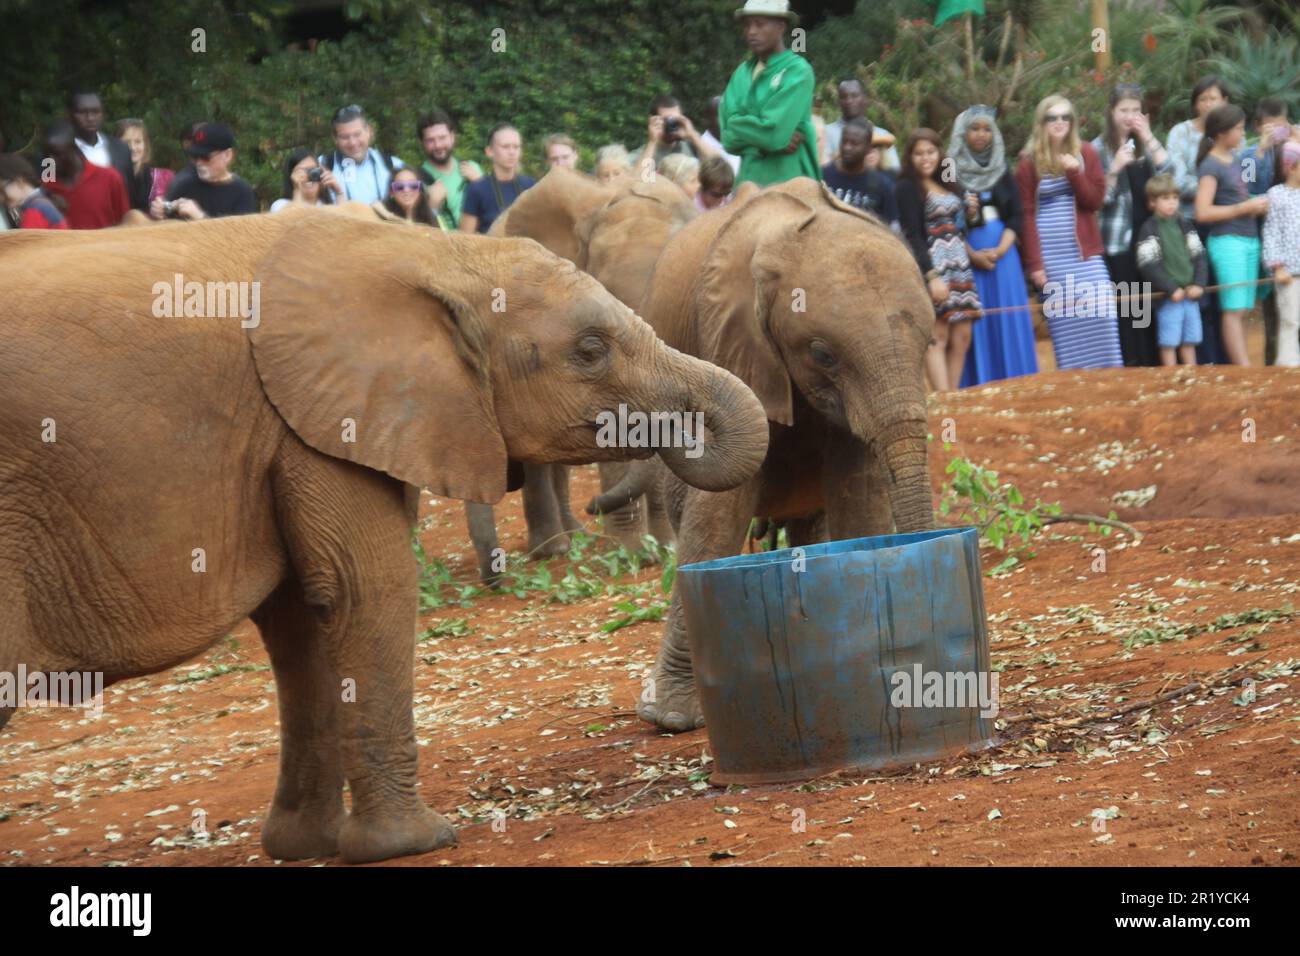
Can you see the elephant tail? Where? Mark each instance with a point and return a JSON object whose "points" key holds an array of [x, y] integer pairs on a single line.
{"points": [[638, 479]]}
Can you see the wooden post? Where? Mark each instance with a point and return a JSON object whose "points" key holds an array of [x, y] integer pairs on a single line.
{"points": [[970, 46], [1101, 21]]}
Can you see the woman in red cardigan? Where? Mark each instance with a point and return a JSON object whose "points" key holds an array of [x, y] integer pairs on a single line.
{"points": [[1062, 185]]}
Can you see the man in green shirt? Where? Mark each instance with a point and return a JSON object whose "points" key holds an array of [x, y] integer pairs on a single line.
{"points": [[766, 112], [446, 177]]}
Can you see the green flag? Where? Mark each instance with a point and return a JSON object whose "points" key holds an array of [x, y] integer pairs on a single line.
{"points": [[955, 8]]}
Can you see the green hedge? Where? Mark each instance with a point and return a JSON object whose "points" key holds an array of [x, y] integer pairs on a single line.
{"points": [[585, 68]]}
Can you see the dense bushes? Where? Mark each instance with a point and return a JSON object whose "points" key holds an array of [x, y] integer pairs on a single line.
{"points": [[589, 67]]}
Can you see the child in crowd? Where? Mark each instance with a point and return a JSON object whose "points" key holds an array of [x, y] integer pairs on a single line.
{"points": [[717, 179], [1281, 253], [1224, 204], [1170, 256], [18, 182]]}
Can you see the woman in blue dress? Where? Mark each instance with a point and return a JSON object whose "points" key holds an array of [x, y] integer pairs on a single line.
{"points": [[1002, 342]]}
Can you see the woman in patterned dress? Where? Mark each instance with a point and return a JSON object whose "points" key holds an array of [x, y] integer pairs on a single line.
{"points": [[1062, 185], [931, 214]]}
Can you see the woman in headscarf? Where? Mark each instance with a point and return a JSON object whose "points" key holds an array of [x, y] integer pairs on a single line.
{"points": [[1002, 342]]}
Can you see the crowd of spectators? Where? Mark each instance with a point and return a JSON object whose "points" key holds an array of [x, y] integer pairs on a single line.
{"points": [[1141, 252]]}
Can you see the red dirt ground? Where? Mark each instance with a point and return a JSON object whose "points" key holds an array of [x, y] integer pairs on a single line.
{"points": [[528, 739]]}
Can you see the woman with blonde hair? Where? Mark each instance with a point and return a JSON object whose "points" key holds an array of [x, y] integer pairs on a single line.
{"points": [[147, 182], [683, 170], [611, 163], [1062, 185]]}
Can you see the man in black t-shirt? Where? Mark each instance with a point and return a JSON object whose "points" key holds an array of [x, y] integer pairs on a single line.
{"points": [[214, 191], [490, 196], [853, 181]]}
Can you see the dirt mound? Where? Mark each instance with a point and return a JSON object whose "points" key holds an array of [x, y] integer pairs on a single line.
{"points": [[1129, 732], [1199, 442]]}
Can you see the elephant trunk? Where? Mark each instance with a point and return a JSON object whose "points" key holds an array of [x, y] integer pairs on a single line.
{"points": [[732, 443], [902, 450]]}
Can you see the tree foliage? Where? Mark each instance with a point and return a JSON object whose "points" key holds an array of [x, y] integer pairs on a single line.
{"points": [[586, 68]]}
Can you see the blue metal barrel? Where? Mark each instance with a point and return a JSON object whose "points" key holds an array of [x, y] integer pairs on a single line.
{"points": [[823, 658]]}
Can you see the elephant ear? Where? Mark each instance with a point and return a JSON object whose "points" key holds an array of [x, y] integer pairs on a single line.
{"points": [[621, 241], [735, 295], [552, 211], [371, 346]]}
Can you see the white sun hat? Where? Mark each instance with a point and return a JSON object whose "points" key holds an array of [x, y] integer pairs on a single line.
{"points": [[768, 8]]}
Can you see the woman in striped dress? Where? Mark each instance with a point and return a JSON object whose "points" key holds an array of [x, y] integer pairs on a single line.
{"points": [[1062, 185]]}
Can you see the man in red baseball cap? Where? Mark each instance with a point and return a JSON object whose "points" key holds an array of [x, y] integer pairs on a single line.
{"points": [[214, 191]]}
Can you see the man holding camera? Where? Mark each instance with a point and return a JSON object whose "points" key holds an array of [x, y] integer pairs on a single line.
{"points": [[361, 173], [668, 132], [214, 191], [766, 113]]}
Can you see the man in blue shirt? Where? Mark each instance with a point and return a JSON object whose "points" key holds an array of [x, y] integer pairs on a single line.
{"points": [[356, 170], [490, 196]]}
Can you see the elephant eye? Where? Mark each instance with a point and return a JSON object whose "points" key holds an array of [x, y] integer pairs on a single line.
{"points": [[591, 349], [822, 355]]}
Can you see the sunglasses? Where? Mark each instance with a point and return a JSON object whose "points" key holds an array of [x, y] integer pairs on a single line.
{"points": [[406, 187], [1057, 118]]}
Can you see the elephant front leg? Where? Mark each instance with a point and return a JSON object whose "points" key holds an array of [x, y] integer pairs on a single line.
{"points": [[560, 486], [360, 581], [374, 645], [546, 533], [712, 525], [626, 524], [656, 512], [308, 810]]}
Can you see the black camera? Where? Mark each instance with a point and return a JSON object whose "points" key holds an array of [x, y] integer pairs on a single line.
{"points": [[672, 127], [315, 173]]}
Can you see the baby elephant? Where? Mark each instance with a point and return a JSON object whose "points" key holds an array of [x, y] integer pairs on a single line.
{"points": [[208, 421]]}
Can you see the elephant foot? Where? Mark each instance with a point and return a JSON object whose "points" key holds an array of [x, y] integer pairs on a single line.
{"points": [[302, 834], [382, 837], [551, 546], [570, 523], [490, 579], [674, 705]]}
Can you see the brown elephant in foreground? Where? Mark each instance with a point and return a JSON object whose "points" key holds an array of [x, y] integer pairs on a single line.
{"points": [[822, 311], [614, 233], [162, 478]]}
